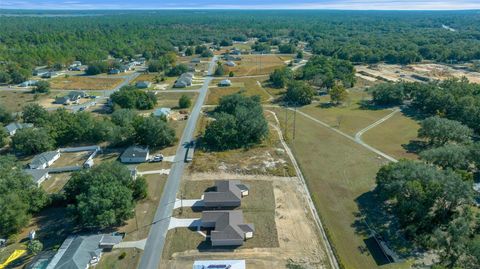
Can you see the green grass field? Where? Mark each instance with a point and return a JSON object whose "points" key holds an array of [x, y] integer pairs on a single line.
{"points": [[350, 117], [338, 172], [392, 134], [248, 86]]}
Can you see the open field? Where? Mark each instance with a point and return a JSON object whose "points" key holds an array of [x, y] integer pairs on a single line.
{"points": [[267, 158], [392, 134], [170, 99], [350, 117], [248, 86], [256, 65], [15, 100], [84, 83], [277, 199], [56, 182], [339, 173]]}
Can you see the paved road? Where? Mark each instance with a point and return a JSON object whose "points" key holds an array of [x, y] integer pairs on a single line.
{"points": [[158, 231]]}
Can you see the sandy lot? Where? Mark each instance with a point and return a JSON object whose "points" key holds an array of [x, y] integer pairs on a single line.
{"points": [[297, 234]]}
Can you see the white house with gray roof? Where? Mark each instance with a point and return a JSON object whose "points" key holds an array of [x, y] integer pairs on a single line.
{"points": [[13, 127], [135, 154], [184, 80], [228, 193], [44, 160], [38, 175], [81, 252]]}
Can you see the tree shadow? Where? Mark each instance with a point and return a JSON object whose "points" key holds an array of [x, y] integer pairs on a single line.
{"points": [[415, 146], [370, 105], [376, 223]]}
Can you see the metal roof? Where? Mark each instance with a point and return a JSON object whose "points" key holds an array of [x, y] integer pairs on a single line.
{"points": [[12, 127]]}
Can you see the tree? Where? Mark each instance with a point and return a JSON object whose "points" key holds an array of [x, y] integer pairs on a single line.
{"points": [[154, 132], [140, 188], [231, 74], [387, 94], [280, 77], [287, 48], [35, 114], [5, 116], [101, 197], [189, 51], [200, 49], [207, 53], [19, 197], [128, 97], [338, 94], [299, 93], [452, 156], [184, 101], [239, 122], [220, 70], [28, 141], [440, 131], [177, 70], [96, 68], [3, 137], [300, 54], [422, 197], [326, 72], [34, 247], [226, 43]]}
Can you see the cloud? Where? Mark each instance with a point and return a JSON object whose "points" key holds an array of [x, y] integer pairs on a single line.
{"points": [[245, 4]]}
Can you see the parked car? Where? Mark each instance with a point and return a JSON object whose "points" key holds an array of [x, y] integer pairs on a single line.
{"points": [[157, 158]]}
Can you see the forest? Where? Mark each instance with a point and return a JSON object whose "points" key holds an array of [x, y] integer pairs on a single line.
{"points": [[48, 38]]}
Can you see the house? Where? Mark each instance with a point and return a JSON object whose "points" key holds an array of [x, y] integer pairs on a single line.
{"points": [[184, 80], [143, 84], [64, 100], [220, 264], [44, 160], [228, 193], [163, 112], [28, 83], [76, 95], [40, 72], [13, 127], [81, 252], [38, 175], [231, 64], [135, 154], [114, 72], [195, 60], [228, 227], [225, 83]]}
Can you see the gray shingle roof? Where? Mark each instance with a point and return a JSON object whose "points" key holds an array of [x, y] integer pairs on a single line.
{"points": [[229, 225], [226, 191], [135, 152], [14, 126], [43, 158], [37, 174]]}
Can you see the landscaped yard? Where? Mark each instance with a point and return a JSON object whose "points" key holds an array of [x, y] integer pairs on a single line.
{"points": [[392, 135], [248, 86], [258, 208], [113, 259], [84, 83], [339, 173], [350, 117]]}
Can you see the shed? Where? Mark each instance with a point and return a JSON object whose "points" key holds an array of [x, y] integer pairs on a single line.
{"points": [[225, 83]]}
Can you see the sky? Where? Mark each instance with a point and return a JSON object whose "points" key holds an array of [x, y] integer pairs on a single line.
{"points": [[243, 4]]}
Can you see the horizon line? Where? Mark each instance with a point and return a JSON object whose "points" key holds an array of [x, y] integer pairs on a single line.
{"points": [[232, 9]]}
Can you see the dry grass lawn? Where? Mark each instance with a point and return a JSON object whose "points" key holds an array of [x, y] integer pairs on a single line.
{"points": [[350, 117], [112, 259], [14, 101], [256, 65], [56, 182], [392, 134], [84, 83], [248, 86]]}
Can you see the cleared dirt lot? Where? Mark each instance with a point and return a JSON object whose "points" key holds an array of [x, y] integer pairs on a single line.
{"points": [[297, 234], [84, 83]]}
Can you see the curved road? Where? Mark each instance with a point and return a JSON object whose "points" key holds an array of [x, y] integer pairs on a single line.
{"points": [[158, 231]]}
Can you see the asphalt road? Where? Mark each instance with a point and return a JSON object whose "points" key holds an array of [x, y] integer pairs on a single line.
{"points": [[158, 231]]}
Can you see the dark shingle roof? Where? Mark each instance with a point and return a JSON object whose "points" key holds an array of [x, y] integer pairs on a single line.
{"points": [[226, 191], [135, 151], [228, 224], [43, 158]]}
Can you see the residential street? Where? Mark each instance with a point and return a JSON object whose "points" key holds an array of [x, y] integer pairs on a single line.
{"points": [[156, 237]]}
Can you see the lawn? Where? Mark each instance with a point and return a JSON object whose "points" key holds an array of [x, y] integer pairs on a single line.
{"points": [[56, 182], [256, 65], [14, 101], [258, 208], [170, 99], [248, 86], [84, 83], [392, 135], [338, 172], [113, 260], [350, 117], [71, 159]]}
